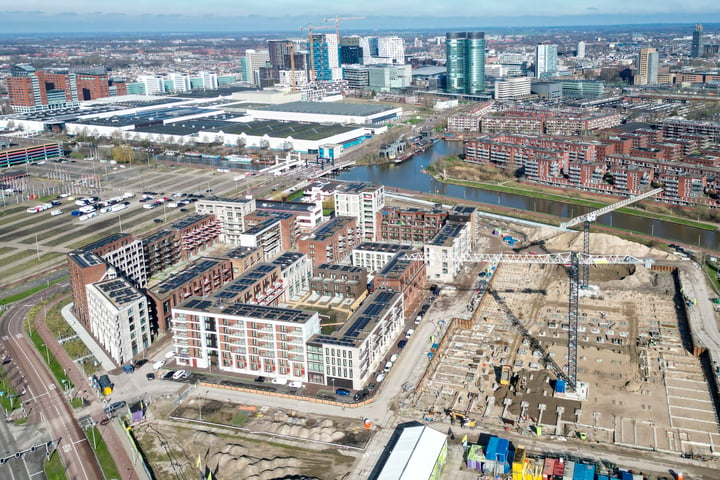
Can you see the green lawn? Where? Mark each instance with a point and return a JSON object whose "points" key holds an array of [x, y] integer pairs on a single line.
{"points": [[54, 469], [7, 387], [47, 354], [101, 453]]}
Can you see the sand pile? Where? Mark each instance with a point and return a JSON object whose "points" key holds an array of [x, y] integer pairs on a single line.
{"points": [[603, 244], [638, 278], [235, 458]]}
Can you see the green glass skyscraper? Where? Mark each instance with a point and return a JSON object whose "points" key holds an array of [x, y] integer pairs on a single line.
{"points": [[465, 52]]}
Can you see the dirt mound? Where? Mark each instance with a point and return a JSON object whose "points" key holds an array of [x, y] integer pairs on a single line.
{"points": [[603, 244], [235, 458]]}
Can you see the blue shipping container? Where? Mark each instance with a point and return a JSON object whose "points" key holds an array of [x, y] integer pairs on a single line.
{"points": [[560, 386]]}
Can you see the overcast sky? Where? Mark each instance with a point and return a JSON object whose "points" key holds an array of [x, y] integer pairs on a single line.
{"points": [[254, 15]]}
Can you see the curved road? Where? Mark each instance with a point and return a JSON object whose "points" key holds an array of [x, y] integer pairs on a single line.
{"points": [[43, 396]]}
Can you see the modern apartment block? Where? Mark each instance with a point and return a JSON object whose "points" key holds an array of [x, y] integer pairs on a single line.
{"points": [[325, 57], [243, 258], [339, 281], [180, 240], [32, 90], [242, 338], [332, 242], [469, 120], [349, 357], [405, 276], [308, 215], [445, 255], [94, 262], [362, 201], [230, 213], [295, 273], [374, 256], [566, 122], [267, 235], [201, 278], [119, 318], [465, 61], [410, 226]]}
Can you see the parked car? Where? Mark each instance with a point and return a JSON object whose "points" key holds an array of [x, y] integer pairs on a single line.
{"points": [[279, 381], [418, 319], [113, 407], [343, 392], [361, 395], [409, 333], [394, 357], [295, 384], [260, 379], [158, 365], [150, 376], [179, 374], [401, 344], [388, 366], [380, 378]]}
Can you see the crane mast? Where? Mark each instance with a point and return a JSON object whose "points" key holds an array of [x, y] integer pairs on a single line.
{"points": [[590, 217], [573, 261]]}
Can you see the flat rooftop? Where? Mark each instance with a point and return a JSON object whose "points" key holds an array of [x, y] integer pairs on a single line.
{"points": [[330, 108], [446, 234], [383, 247], [295, 207], [287, 259], [276, 129], [396, 266], [249, 278], [362, 322], [85, 259], [144, 118], [240, 252], [277, 314], [187, 275], [119, 291], [330, 228], [188, 127], [91, 247]]}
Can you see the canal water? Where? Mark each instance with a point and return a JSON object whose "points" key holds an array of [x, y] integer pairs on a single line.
{"points": [[408, 175]]}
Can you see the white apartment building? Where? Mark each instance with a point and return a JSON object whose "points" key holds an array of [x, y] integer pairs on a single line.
{"points": [[119, 318], [445, 254], [243, 338], [392, 49], [154, 84], [209, 80], [373, 256], [180, 82], [296, 270], [512, 88], [362, 201], [351, 356], [129, 261], [231, 214]]}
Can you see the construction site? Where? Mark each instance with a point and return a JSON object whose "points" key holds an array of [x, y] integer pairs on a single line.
{"points": [[627, 376]]}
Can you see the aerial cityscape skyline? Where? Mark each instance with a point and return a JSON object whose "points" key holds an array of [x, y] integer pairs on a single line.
{"points": [[413, 241]]}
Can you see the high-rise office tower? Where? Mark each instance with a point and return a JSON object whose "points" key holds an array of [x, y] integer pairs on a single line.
{"points": [[545, 61], [465, 53], [254, 60], [392, 48], [647, 71], [369, 47], [698, 46], [325, 57], [580, 50]]}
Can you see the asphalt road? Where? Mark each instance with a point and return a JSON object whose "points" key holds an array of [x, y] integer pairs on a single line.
{"points": [[43, 399]]}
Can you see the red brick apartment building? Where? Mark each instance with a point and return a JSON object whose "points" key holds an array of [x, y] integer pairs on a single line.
{"points": [[344, 281], [405, 276], [201, 278], [331, 242], [410, 225], [30, 89]]}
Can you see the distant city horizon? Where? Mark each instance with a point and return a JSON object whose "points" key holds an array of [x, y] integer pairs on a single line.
{"points": [[33, 23]]}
